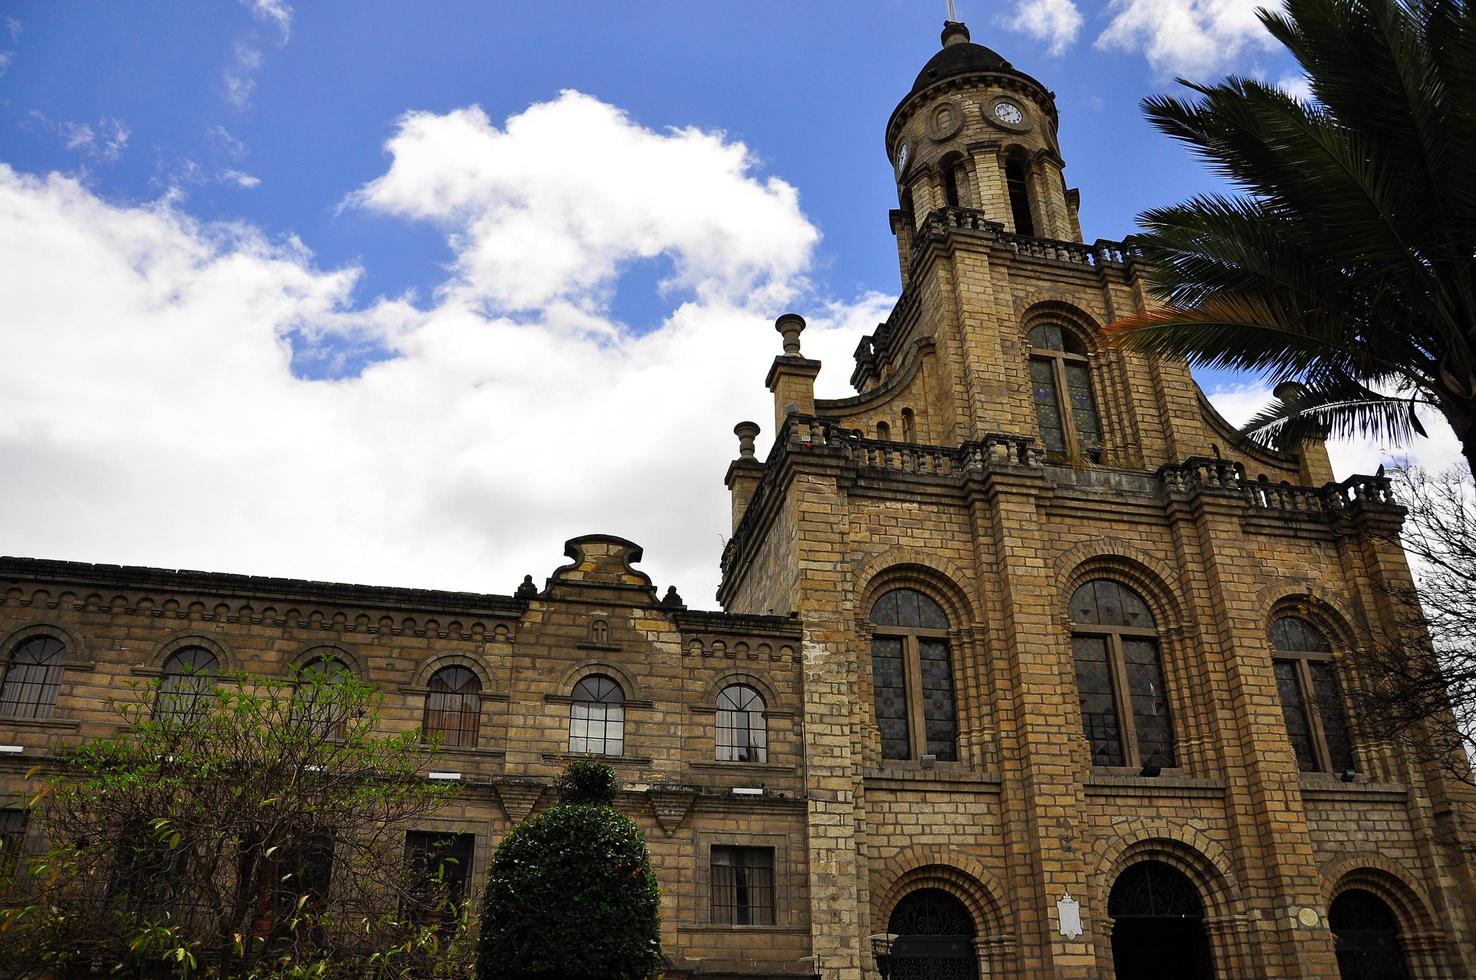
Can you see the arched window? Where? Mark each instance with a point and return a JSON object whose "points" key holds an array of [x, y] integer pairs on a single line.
{"points": [[189, 679], [909, 426], [912, 677], [742, 732], [1017, 182], [1119, 680], [1367, 936], [1062, 387], [1311, 702], [32, 678], [453, 706], [325, 714], [597, 717], [1158, 924]]}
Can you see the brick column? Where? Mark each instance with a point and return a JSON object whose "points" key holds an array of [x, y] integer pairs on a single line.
{"points": [[1041, 795]]}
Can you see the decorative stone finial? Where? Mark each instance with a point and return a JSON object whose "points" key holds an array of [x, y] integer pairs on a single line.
{"points": [[790, 326], [671, 600], [527, 590], [954, 32], [746, 433]]}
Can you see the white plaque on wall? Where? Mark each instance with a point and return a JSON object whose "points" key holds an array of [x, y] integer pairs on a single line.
{"points": [[1068, 910]]}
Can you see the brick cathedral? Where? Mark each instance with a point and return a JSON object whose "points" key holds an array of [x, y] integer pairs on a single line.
{"points": [[1054, 690]]}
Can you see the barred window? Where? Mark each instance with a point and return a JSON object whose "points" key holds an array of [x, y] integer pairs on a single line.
{"points": [[912, 677], [743, 886], [1311, 701], [32, 678], [189, 679], [1061, 383], [742, 732], [1119, 677], [597, 717], [453, 707]]}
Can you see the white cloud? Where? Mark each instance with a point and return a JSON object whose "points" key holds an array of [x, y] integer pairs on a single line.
{"points": [[1440, 451], [102, 142], [240, 179], [240, 77], [1186, 37], [640, 194], [1054, 21], [153, 417], [276, 11], [1297, 86]]}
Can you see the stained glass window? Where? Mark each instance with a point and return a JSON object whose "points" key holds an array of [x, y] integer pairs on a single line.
{"points": [[912, 677], [1061, 389], [1119, 677], [1311, 701]]}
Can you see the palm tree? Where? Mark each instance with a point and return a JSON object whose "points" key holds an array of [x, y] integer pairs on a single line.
{"points": [[1347, 262]]}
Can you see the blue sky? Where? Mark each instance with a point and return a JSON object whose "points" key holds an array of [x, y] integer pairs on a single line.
{"points": [[346, 313]]}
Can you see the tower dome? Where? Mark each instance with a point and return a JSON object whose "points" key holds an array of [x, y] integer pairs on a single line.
{"points": [[959, 56]]}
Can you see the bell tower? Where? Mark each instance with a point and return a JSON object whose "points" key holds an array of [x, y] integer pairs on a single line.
{"points": [[974, 132]]}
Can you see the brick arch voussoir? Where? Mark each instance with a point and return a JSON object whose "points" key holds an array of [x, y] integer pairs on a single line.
{"points": [[1323, 605], [1115, 558], [76, 650], [939, 577], [922, 866], [1045, 305], [1373, 872], [181, 640], [1193, 852], [476, 665]]}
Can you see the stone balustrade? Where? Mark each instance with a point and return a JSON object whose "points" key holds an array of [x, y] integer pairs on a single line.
{"points": [[1199, 474]]}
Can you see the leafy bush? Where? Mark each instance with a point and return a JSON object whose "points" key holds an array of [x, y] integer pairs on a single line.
{"points": [[571, 894]]}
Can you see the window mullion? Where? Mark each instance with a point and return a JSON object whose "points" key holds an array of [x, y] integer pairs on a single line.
{"points": [[1314, 715], [1063, 405], [1127, 734], [917, 732]]}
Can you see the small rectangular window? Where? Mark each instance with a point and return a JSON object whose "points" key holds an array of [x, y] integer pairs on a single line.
{"points": [[743, 886], [12, 840], [440, 867]]}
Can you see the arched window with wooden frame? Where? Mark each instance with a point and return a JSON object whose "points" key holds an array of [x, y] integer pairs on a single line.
{"points": [[187, 684], [453, 708], [742, 731], [912, 677], [1061, 387], [1119, 677], [1311, 700], [33, 677], [597, 717]]}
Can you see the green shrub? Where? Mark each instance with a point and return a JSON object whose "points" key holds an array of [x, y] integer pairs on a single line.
{"points": [[571, 894]]}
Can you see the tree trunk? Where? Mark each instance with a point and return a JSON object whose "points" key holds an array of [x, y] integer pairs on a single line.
{"points": [[1462, 419]]}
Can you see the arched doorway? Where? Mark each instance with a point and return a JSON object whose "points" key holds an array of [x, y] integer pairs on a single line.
{"points": [[1367, 936], [1158, 925], [935, 938]]}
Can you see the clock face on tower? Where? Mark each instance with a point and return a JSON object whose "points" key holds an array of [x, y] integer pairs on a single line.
{"points": [[1008, 112], [904, 153]]}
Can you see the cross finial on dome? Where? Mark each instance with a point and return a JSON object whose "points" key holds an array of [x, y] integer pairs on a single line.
{"points": [[955, 32]]}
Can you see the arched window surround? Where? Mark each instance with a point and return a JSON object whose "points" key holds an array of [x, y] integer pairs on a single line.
{"points": [[597, 704], [31, 677], [188, 676]]}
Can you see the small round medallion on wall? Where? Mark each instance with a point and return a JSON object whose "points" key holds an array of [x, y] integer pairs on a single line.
{"points": [[944, 120], [1007, 114]]}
